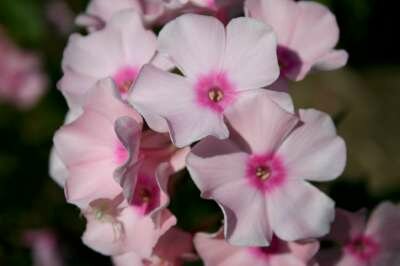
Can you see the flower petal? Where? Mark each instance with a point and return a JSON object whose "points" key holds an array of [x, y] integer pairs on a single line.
{"points": [[200, 47], [269, 125], [333, 60], [313, 151], [298, 210], [250, 57]]}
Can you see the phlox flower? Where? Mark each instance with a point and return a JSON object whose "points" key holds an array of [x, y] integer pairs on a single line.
{"points": [[91, 149], [307, 34], [172, 249], [259, 175], [118, 51], [359, 242], [215, 251], [115, 228], [219, 67], [22, 80]]}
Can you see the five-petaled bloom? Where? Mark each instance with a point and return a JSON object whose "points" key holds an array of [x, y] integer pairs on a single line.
{"points": [[258, 176], [219, 67], [362, 243]]}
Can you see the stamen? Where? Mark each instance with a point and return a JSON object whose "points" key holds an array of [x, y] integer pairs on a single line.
{"points": [[263, 173], [145, 195], [124, 87], [215, 94]]}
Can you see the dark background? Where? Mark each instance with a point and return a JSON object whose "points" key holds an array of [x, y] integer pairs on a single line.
{"points": [[363, 98]]}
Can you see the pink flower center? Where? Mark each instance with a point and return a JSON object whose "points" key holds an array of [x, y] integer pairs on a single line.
{"points": [[289, 61], [146, 196], [265, 172], [124, 79], [215, 91], [363, 248], [275, 247]]}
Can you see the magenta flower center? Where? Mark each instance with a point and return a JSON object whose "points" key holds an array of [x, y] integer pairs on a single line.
{"points": [[265, 172], [146, 196], [363, 248], [214, 91], [124, 79], [289, 61], [275, 247]]}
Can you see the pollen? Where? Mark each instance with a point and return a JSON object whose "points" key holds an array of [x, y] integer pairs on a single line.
{"points": [[263, 173], [215, 94], [145, 195]]}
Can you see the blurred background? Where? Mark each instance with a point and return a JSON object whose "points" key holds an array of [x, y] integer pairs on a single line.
{"points": [[363, 98]]}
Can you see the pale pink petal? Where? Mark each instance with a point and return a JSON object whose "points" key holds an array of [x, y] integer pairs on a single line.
{"points": [[279, 14], [114, 232], [57, 169], [215, 251], [333, 60], [304, 250], [279, 93], [200, 47], [250, 56], [169, 96], [382, 225], [267, 129], [299, 211], [316, 33], [285, 259], [210, 172], [313, 151], [127, 259]]}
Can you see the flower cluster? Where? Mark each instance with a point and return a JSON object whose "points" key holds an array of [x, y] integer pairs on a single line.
{"points": [[209, 92]]}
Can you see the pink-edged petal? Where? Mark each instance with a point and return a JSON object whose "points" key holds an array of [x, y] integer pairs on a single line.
{"points": [[250, 56], [269, 125], [313, 151], [333, 60], [170, 96], [347, 225], [298, 210], [279, 14], [215, 251], [382, 225], [200, 47], [127, 259]]}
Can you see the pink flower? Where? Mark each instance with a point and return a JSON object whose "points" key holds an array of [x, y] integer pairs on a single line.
{"points": [[22, 81], [219, 67], [172, 249], [259, 176], [90, 148], [362, 243], [115, 229], [215, 251], [45, 249], [307, 33], [118, 51]]}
